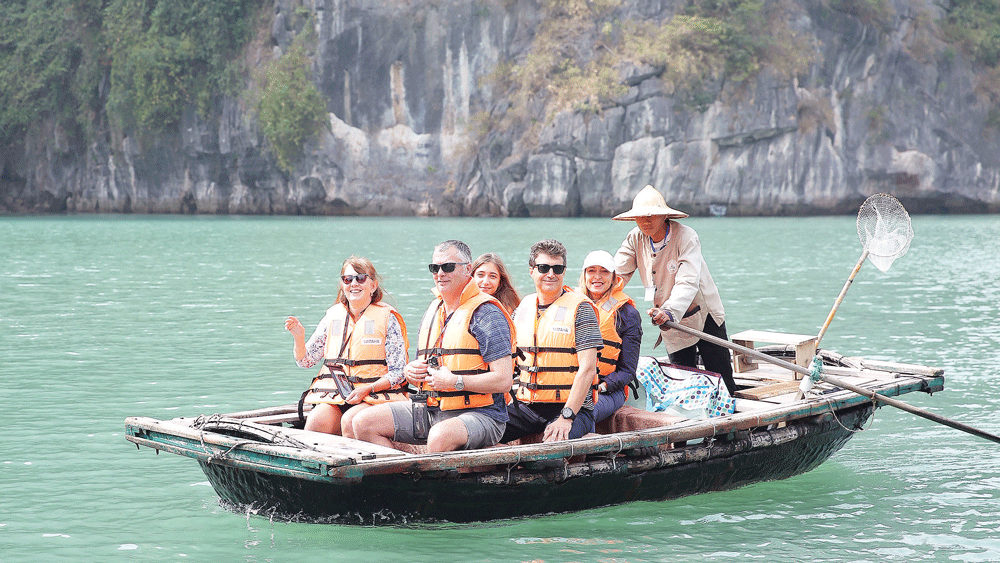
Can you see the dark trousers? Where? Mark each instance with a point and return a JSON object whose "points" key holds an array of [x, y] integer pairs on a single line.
{"points": [[716, 358], [533, 418]]}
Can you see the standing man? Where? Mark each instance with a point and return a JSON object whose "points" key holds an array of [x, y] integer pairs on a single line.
{"points": [[557, 340], [463, 367], [676, 279]]}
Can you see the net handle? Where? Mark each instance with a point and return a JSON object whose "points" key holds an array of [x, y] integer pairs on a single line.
{"points": [[840, 298]]}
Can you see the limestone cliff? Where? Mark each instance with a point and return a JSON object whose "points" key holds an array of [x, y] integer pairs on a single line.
{"points": [[881, 107]]}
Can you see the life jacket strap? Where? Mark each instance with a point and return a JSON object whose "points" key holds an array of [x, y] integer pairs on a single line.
{"points": [[335, 362], [541, 387], [448, 351], [542, 349], [557, 369]]}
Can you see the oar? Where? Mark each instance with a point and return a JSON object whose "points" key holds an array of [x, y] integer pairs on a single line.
{"points": [[832, 380]]}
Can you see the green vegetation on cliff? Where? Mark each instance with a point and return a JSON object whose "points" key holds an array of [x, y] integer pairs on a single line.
{"points": [[582, 49], [291, 110], [50, 63], [143, 61], [975, 24], [166, 54]]}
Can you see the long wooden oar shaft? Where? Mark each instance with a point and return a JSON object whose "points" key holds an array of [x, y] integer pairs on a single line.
{"points": [[834, 381], [840, 298]]}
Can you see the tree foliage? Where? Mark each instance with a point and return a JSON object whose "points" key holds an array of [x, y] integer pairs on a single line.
{"points": [[166, 54], [975, 25], [581, 49], [49, 62], [145, 59], [291, 110]]}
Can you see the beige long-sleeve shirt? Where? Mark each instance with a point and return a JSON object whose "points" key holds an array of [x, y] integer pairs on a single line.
{"points": [[679, 278]]}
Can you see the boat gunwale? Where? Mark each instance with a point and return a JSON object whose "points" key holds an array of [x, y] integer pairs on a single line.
{"points": [[180, 438]]}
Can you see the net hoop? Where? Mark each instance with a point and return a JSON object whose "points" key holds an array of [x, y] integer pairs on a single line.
{"points": [[884, 229]]}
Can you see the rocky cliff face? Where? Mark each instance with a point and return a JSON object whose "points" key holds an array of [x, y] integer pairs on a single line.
{"points": [[882, 108]]}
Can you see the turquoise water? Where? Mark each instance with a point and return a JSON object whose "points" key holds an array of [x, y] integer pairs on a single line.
{"points": [[107, 317]]}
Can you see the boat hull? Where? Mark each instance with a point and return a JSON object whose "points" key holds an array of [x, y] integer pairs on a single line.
{"points": [[746, 458]]}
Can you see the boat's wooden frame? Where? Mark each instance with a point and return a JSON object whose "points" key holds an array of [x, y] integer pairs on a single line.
{"points": [[259, 461]]}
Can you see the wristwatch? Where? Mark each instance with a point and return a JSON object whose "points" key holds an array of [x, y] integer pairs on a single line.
{"points": [[567, 413], [459, 384]]}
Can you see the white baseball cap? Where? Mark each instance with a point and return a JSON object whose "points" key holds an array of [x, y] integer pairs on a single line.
{"points": [[600, 258]]}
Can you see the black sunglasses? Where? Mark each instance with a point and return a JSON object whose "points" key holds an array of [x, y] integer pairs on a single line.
{"points": [[557, 269], [447, 267], [362, 278]]}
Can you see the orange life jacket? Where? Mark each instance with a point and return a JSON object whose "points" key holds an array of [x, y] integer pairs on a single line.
{"points": [[607, 314], [548, 346], [456, 348], [357, 349]]}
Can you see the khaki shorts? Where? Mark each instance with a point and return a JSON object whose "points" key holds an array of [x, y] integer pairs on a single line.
{"points": [[482, 430]]}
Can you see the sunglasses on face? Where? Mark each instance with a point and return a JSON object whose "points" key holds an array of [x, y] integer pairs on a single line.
{"points": [[447, 267], [557, 269], [362, 278]]}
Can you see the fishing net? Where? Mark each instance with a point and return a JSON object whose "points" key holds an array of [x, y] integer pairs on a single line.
{"points": [[885, 230]]}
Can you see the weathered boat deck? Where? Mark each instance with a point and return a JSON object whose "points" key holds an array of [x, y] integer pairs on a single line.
{"points": [[767, 397], [260, 458]]}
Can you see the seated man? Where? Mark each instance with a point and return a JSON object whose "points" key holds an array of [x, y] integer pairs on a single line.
{"points": [[463, 367], [557, 340]]}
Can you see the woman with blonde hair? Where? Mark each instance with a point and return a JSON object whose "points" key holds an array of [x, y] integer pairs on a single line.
{"points": [[621, 328], [363, 343], [491, 276]]}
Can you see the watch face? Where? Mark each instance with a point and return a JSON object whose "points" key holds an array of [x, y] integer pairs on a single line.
{"points": [[460, 384], [568, 413]]}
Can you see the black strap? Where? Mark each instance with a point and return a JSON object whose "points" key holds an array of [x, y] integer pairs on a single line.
{"points": [[692, 311], [334, 362], [540, 387], [302, 399], [542, 349], [555, 369], [613, 344], [449, 351], [469, 371]]}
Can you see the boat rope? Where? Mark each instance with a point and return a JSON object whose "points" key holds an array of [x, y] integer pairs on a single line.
{"points": [[816, 369], [829, 403], [614, 456], [512, 466], [273, 437], [815, 373]]}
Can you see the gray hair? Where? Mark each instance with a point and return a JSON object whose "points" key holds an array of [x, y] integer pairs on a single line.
{"points": [[552, 247], [463, 249]]}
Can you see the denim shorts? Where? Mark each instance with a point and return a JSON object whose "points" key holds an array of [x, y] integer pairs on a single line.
{"points": [[482, 430]]}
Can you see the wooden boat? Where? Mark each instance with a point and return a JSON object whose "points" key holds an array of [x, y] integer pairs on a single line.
{"points": [[261, 461]]}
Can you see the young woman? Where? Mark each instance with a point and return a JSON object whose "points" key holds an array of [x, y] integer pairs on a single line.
{"points": [[490, 274], [621, 328], [363, 342]]}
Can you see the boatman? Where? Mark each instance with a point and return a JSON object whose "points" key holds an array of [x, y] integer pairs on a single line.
{"points": [[677, 282], [463, 368], [557, 342]]}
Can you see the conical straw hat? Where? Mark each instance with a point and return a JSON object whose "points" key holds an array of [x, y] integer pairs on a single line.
{"points": [[649, 203]]}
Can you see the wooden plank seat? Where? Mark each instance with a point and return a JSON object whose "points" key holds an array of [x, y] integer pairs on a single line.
{"points": [[804, 345], [767, 391]]}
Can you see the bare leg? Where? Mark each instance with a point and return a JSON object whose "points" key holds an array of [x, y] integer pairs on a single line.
{"points": [[347, 421], [375, 425], [447, 435], [324, 418]]}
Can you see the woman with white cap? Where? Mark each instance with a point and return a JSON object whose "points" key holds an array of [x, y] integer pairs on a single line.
{"points": [[621, 328], [667, 255]]}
